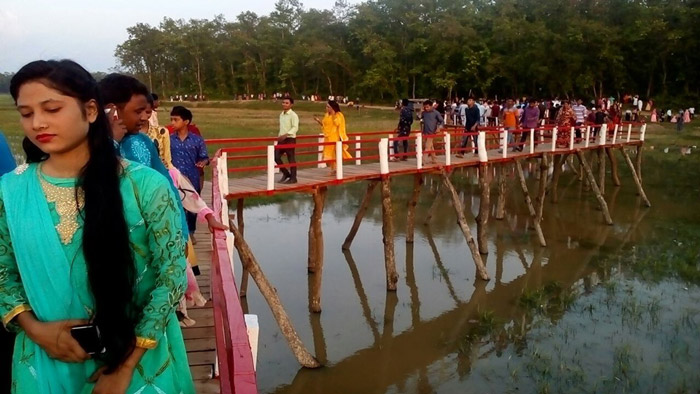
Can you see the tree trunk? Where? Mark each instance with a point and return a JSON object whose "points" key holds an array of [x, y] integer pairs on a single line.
{"points": [[528, 202], [316, 265], [637, 181], [480, 267], [273, 301], [411, 218], [484, 209], [613, 166], [594, 186], [601, 170], [501, 202], [360, 214], [388, 236]]}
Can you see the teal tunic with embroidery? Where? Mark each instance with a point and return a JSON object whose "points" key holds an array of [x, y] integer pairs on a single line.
{"points": [[40, 272]]}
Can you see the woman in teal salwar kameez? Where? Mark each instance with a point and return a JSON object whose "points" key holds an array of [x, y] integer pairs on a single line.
{"points": [[60, 267]]}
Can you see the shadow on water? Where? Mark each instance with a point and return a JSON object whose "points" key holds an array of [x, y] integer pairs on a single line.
{"points": [[442, 323]]}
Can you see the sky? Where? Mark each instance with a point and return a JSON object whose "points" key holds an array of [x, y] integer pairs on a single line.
{"points": [[89, 31]]}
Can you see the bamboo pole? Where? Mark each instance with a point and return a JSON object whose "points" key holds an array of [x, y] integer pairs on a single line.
{"points": [[360, 214], [601, 170], [480, 267], [484, 209], [273, 301], [528, 201], [613, 167], [570, 161], [388, 235], [501, 201], [637, 181], [594, 186], [411, 218], [241, 227]]}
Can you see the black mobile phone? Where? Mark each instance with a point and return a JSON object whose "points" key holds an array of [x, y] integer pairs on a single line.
{"points": [[89, 338]]}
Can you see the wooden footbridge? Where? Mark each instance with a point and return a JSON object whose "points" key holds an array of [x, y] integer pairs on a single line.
{"points": [[245, 168]]}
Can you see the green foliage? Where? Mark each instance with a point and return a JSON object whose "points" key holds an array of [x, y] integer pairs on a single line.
{"points": [[385, 49]]}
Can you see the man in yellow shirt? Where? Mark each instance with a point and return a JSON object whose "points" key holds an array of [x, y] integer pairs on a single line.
{"points": [[289, 126]]}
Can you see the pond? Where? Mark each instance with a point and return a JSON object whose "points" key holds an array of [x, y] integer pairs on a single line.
{"points": [[600, 309]]}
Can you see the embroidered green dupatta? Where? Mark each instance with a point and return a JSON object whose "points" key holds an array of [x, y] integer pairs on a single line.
{"points": [[54, 278]]}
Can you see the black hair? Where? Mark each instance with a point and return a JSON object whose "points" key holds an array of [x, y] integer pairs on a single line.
{"points": [[118, 89], [427, 102], [154, 97], [291, 100], [532, 100], [334, 105], [405, 102], [110, 264], [182, 112], [151, 100]]}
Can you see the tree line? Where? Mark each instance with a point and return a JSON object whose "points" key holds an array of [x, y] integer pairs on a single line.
{"points": [[387, 49]]}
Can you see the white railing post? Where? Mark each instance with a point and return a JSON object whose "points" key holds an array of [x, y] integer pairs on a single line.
{"points": [[419, 151], [223, 164], [532, 141], [448, 149], [504, 143], [587, 138], [384, 156], [603, 134], [391, 146], [542, 122], [614, 139], [320, 151], [642, 132], [270, 167], [541, 136], [629, 132], [572, 136], [339, 160], [481, 145], [555, 131], [358, 150]]}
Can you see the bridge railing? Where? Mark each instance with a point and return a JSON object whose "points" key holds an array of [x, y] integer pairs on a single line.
{"points": [[235, 359], [257, 155]]}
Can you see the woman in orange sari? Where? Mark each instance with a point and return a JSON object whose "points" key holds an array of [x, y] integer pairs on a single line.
{"points": [[565, 120], [333, 127]]}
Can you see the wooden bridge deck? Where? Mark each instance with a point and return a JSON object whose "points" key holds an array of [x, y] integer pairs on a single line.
{"points": [[199, 339], [309, 178]]}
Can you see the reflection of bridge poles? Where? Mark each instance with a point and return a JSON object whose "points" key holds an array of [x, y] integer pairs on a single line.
{"points": [[440, 265], [366, 311]]}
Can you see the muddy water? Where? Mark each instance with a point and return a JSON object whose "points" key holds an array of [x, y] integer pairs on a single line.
{"points": [[526, 330]]}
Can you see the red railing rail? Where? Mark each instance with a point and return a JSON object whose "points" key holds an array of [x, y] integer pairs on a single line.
{"points": [[234, 355]]}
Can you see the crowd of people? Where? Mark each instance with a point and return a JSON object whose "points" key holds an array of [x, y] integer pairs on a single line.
{"points": [[113, 200]]}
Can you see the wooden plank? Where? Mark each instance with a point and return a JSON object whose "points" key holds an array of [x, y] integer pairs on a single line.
{"points": [[202, 373], [207, 357], [200, 344], [197, 332]]}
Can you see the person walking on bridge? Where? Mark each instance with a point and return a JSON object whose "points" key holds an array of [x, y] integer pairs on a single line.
{"points": [[471, 126], [403, 129], [289, 126], [431, 120], [333, 127]]}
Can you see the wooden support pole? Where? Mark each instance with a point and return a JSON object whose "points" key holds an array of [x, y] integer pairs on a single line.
{"points": [[637, 181], [544, 169], [273, 301], [613, 167], [501, 202], [316, 248], [594, 186], [638, 167], [360, 214], [528, 201], [484, 209], [570, 161], [388, 235], [601, 170], [411, 218], [241, 227], [480, 267], [558, 163]]}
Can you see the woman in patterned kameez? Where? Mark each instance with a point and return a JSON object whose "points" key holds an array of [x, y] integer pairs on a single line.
{"points": [[87, 238]]}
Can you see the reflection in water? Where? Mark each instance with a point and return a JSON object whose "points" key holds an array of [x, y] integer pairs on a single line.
{"points": [[422, 339]]}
